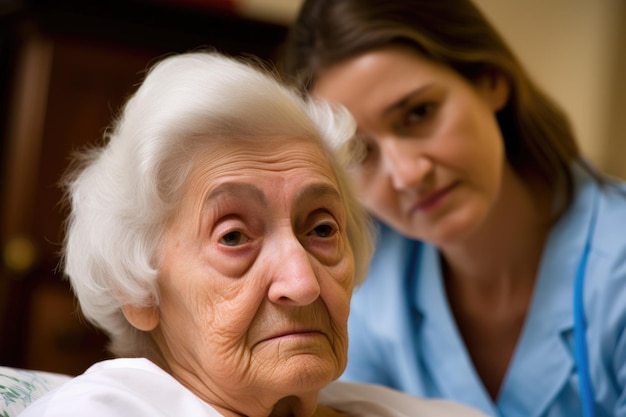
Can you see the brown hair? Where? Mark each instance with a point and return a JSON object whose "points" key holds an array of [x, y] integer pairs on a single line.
{"points": [[538, 137]]}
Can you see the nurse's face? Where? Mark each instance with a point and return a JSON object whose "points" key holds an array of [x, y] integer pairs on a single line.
{"points": [[256, 276], [435, 155]]}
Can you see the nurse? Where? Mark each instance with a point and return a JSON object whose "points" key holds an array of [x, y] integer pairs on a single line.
{"points": [[500, 273]]}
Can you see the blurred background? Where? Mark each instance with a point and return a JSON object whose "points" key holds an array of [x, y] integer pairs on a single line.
{"points": [[67, 66]]}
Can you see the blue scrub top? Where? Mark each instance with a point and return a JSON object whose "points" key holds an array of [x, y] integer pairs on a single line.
{"points": [[403, 334]]}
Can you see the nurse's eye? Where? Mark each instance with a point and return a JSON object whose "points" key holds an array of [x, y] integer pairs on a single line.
{"points": [[420, 113], [234, 238]]}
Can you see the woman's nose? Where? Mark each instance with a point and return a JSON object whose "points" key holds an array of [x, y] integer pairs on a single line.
{"points": [[294, 281], [406, 167]]}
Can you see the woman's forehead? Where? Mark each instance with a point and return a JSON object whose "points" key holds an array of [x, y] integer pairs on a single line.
{"points": [[270, 162]]}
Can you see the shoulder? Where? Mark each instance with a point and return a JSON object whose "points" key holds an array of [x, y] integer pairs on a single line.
{"points": [[601, 206], [609, 195], [121, 387], [612, 205], [362, 400], [609, 242], [605, 275]]}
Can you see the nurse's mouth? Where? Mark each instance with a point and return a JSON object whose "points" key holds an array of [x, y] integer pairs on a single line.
{"points": [[433, 199]]}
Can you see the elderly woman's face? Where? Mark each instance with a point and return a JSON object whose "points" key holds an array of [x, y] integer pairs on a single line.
{"points": [[257, 274]]}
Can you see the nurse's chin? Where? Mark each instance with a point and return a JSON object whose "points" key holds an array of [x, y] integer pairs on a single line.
{"points": [[451, 229]]}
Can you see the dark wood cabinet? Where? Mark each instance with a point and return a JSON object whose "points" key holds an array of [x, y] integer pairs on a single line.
{"points": [[66, 69]]}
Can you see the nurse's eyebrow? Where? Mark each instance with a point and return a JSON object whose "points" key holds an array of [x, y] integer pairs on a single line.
{"points": [[404, 101], [247, 190]]}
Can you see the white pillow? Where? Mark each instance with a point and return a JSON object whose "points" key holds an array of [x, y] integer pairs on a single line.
{"points": [[20, 387]]}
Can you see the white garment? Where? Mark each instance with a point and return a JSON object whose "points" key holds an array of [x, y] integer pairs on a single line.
{"points": [[369, 400], [137, 387]]}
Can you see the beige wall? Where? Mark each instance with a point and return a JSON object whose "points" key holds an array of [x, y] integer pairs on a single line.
{"points": [[576, 50], [615, 152]]}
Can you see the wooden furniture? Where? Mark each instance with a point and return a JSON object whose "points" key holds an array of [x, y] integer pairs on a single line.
{"points": [[66, 68]]}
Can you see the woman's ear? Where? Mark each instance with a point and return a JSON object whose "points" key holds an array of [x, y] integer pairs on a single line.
{"points": [[495, 88], [141, 317]]}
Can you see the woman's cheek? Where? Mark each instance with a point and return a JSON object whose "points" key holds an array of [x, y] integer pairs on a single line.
{"points": [[345, 273], [346, 265], [341, 286], [232, 262]]}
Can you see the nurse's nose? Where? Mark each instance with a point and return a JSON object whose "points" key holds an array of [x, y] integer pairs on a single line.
{"points": [[406, 167], [294, 281]]}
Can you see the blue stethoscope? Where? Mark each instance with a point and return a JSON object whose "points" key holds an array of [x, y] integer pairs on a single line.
{"points": [[580, 323]]}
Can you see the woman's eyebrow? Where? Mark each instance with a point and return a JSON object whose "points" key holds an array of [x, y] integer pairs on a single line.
{"points": [[316, 191], [250, 191], [404, 101], [247, 190]]}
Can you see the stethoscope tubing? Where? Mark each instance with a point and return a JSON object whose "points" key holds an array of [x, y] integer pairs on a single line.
{"points": [[581, 354]]}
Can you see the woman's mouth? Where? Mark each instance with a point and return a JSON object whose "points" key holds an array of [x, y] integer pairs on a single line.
{"points": [[432, 200]]}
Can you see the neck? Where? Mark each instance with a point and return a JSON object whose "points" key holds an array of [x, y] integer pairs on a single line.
{"points": [[506, 250], [291, 406], [295, 407]]}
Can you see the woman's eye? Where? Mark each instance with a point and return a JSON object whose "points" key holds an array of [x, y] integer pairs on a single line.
{"points": [[420, 112], [324, 230], [234, 238]]}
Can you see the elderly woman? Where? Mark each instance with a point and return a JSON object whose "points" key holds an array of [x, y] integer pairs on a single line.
{"points": [[216, 241]]}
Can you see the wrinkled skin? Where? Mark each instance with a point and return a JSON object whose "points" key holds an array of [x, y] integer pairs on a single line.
{"points": [[256, 279]]}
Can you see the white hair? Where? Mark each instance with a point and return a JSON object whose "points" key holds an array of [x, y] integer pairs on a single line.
{"points": [[122, 193]]}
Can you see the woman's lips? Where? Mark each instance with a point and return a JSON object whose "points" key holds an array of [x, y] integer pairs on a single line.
{"points": [[295, 334], [433, 199]]}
